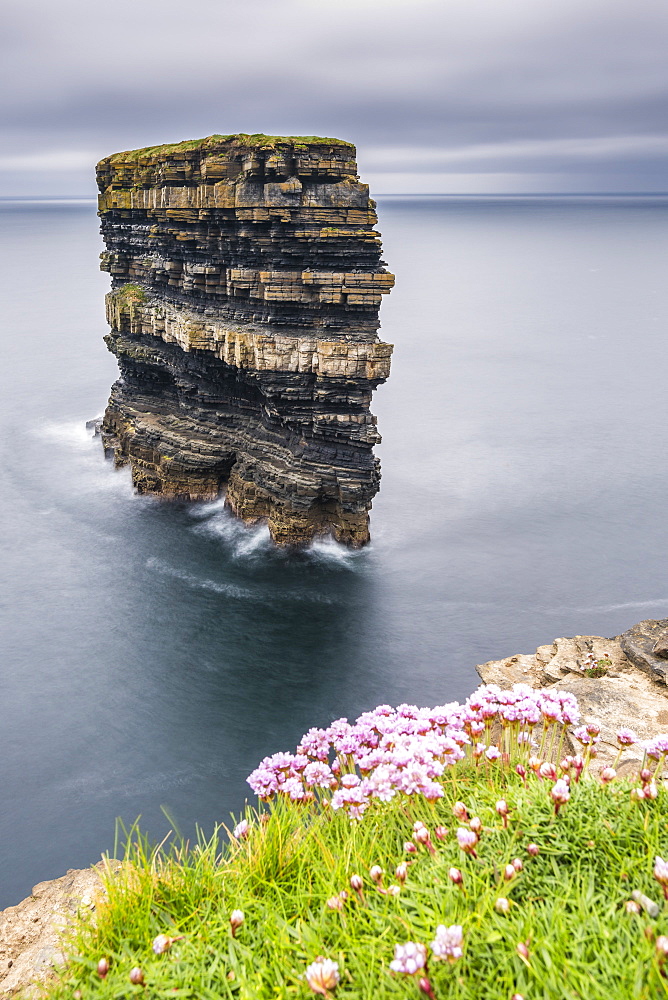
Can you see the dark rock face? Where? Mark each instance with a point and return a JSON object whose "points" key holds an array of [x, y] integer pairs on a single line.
{"points": [[645, 645], [660, 647], [247, 281]]}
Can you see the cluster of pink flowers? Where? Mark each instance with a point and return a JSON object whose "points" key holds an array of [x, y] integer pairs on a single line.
{"points": [[657, 748], [406, 750], [411, 957]]}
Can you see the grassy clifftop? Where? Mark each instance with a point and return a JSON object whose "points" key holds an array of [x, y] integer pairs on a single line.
{"points": [[455, 852]]}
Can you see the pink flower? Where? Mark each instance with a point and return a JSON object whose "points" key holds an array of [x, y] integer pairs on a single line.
{"points": [[560, 794], [241, 830], [455, 876], [467, 840], [426, 987], [409, 958], [626, 737], [376, 873], [533, 850], [322, 975], [448, 943], [608, 774], [318, 774], [401, 871], [502, 905], [661, 874], [460, 812], [162, 943]]}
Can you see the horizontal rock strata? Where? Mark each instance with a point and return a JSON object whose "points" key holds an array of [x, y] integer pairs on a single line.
{"points": [[247, 281]]}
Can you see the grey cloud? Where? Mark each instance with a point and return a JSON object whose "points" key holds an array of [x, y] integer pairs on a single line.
{"points": [[399, 75]]}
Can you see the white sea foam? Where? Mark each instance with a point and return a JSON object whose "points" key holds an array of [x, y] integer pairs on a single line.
{"points": [[82, 453], [242, 541], [627, 605], [332, 553], [206, 509], [106, 785], [199, 582], [253, 542], [72, 433]]}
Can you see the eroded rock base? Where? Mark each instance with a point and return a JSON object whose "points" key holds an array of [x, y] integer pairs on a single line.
{"points": [[193, 427]]}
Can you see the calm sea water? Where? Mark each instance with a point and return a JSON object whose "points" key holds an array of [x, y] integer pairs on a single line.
{"points": [[152, 654]]}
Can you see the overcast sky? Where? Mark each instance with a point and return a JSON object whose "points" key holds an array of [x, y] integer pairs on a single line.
{"points": [[438, 95]]}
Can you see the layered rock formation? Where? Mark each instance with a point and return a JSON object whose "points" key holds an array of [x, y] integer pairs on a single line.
{"points": [[244, 314]]}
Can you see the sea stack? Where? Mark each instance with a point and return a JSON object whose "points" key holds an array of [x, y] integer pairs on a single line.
{"points": [[246, 284]]}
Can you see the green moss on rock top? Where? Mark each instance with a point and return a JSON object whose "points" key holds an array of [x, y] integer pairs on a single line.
{"points": [[130, 293], [241, 139]]}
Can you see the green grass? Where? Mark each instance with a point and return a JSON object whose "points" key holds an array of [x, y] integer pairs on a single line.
{"points": [[567, 904], [130, 293]]}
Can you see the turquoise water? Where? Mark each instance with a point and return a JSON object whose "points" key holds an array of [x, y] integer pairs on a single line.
{"points": [[152, 654]]}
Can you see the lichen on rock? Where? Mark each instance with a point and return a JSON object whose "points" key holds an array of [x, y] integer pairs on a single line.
{"points": [[246, 283]]}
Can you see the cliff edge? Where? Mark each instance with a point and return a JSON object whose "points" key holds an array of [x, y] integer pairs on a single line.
{"points": [[246, 284], [629, 692]]}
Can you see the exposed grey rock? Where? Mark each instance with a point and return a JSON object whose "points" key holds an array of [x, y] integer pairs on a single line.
{"points": [[627, 696], [31, 933], [640, 645], [660, 647]]}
